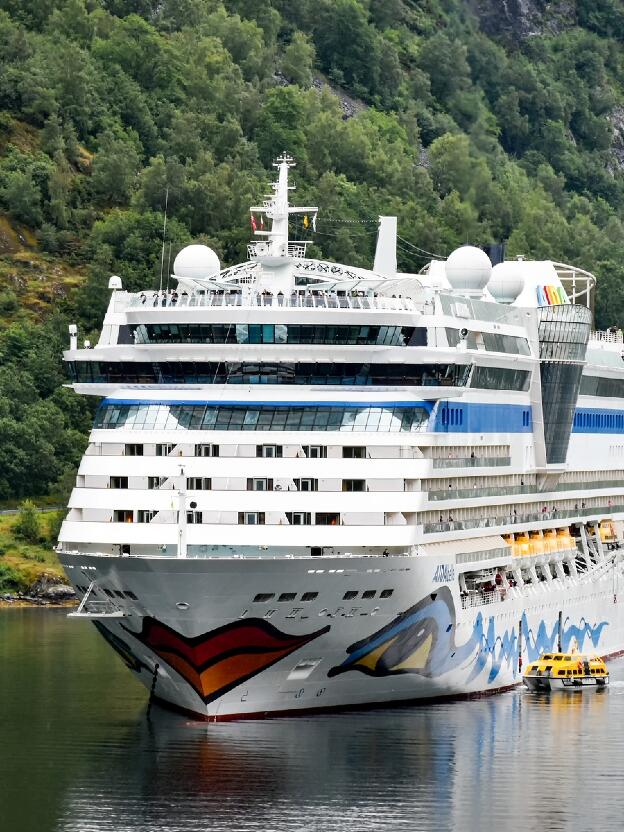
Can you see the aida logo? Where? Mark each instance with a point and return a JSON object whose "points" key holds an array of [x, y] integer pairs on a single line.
{"points": [[444, 574], [551, 295]]}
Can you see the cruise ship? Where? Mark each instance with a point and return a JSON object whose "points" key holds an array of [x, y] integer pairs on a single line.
{"points": [[310, 485]]}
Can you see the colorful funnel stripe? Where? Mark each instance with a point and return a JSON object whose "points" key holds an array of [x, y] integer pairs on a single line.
{"points": [[551, 295], [215, 662]]}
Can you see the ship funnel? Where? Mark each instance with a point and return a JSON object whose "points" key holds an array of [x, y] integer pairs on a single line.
{"points": [[385, 254]]}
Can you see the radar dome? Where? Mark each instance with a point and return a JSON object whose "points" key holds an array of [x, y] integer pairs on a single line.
{"points": [[196, 262], [507, 281], [468, 270]]}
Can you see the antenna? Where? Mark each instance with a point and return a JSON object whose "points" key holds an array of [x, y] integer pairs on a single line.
{"points": [[162, 252], [169, 265]]}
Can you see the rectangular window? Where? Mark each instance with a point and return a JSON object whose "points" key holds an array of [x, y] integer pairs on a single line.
{"points": [[155, 482], [118, 482], [309, 596], [349, 595], [353, 452], [133, 450], [369, 593], [327, 519], [259, 484], [206, 450], [199, 483], [299, 518], [386, 593], [306, 484], [123, 515], [269, 451], [193, 518], [315, 451], [164, 449], [354, 485], [263, 597], [251, 518], [287, 596], [145, 515]]}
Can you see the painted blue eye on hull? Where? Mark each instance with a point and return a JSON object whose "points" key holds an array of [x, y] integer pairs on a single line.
{"points": [[422, 640]]}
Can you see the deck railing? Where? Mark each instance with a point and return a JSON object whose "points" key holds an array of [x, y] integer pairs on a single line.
{"points": [[184, 300]]}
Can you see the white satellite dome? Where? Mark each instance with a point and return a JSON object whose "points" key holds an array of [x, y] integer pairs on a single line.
{"points": [[468, 270], [196, 262], [506, 282]]}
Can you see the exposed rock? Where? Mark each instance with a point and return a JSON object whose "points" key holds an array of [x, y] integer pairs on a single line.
{"points": [[350, 106], [519, 19], [616, 118], [51, 588]]}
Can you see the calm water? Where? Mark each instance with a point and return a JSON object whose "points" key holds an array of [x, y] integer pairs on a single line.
{"points": [[77, 753]]}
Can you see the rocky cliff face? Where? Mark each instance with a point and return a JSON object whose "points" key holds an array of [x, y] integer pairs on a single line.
{"points": [[517, 19]]}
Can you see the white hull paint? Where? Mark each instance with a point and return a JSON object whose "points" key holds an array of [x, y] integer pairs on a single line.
{"points": [[219, 595], [302, 472]]}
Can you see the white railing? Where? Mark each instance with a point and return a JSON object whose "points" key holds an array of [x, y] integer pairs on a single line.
{"points": [[262, 249], [299, 300], [479, 599], [608, 336]]}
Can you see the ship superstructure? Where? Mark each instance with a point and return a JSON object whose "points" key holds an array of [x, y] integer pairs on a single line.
{"points": [[310, 485]]}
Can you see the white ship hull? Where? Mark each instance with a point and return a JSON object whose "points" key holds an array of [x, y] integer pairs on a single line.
{"points": [[224, 656], [312, 485]]}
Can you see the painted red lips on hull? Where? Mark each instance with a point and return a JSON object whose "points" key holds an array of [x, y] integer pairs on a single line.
{"points": [[217, 661]]}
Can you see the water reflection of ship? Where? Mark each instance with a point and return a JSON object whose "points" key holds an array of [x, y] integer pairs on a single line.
{"points": [[510, 747], [473, 766], [339, 772]]}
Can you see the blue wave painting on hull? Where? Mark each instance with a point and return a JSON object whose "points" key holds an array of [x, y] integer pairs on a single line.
{"points": [[422, 640], [505, 648]]}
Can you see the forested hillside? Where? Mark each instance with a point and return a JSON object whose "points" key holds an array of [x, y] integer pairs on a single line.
{"points": [[472, 120]]}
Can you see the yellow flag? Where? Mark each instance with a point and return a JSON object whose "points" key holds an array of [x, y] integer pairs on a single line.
{"points": [[306, 221]]}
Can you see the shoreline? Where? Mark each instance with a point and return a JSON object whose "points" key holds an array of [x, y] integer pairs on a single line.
{"points": [[24, 603]]}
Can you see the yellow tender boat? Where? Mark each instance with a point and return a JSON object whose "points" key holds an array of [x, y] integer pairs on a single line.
{"points": [[566, 671]]}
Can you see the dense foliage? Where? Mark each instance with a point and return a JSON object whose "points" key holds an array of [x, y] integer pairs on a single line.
{"points": [[466, 136]]}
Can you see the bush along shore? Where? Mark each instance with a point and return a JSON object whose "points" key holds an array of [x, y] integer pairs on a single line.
{"points": [[30, 573]]}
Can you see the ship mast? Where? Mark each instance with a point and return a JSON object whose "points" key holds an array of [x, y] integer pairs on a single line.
{"points": [[276, 253]]}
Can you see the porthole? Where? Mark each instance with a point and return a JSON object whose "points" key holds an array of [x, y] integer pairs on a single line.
{"points": [[182, 605]]}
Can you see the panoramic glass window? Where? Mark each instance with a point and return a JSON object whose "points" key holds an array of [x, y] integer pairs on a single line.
{"points": [[191, 333], [112, 416], [227, 372]]}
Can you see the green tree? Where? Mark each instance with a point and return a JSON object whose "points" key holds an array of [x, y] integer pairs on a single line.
{"points": [[21, 196], [281, 125], [27, 525], [298, 60], [115, 167]]}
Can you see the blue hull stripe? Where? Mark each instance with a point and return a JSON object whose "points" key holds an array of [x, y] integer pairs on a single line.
{"points": [[448, 417]]}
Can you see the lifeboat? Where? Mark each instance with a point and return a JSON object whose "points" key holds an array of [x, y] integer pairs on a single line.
{"points": [[566, 671], [550, 540], [537, 543], [522, 546], [565, 540]]}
